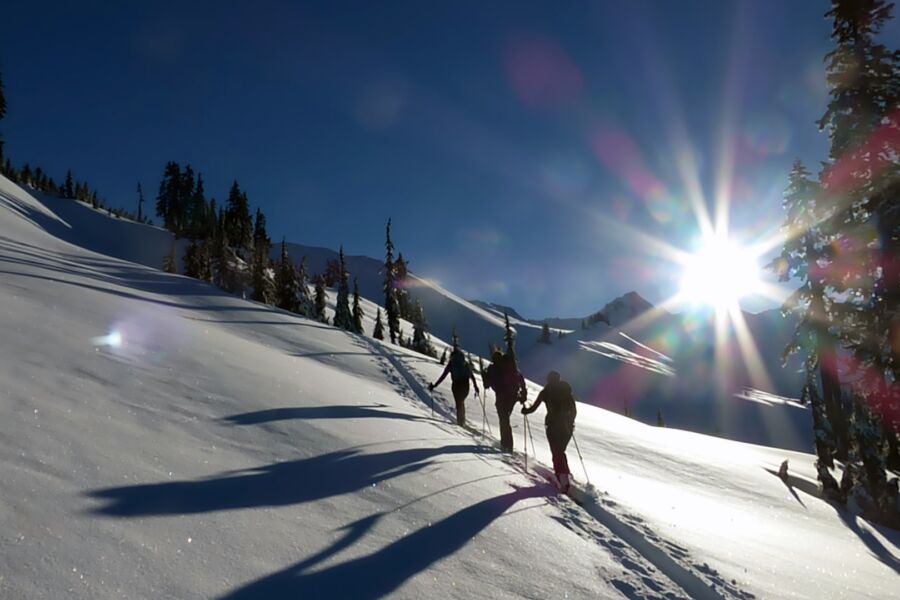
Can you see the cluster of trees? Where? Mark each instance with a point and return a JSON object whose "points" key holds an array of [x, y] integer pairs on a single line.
{"points": [[545, 334], [229, 248], [398, 304], [843, 245]]}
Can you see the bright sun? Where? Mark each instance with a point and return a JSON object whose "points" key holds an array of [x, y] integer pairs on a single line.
{"points": [[719, 274]]}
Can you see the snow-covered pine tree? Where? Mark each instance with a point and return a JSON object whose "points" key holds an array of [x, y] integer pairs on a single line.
{"points": [[170, 261], [863, 183], [443, 359], [286, 281], [378, 331], [545, 334], [342, 315], [509, 336], [320, 300], [357, 311], [804, 256], [391, 309], [304, 302], [420, 341]]}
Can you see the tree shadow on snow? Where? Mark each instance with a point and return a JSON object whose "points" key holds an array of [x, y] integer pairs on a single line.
{"points": [[878, 549], [278, 484], [318, 412], [384, 571]]}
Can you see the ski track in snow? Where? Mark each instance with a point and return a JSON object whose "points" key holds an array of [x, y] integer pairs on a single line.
{"points": [[640, 551]]}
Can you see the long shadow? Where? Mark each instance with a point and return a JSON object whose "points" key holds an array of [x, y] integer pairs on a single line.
{"points": [[874, 545], [318, 412], [278, 484], [789, 484], [383, 571], [878, 549]]}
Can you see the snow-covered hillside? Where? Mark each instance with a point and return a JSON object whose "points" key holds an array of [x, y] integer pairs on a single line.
{"points": [[160, 439]]}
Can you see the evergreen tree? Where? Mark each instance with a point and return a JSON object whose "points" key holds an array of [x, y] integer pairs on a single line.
{"points": [[263, 286], [358, 313], [238, 224], [170, 262], [304, 302], [803, 257], [286, 281], [454, 339], [378, 331], [320, 301], [391, 309], [197, 261], [342, 316], [197, 221], [659, 418], [443, 359], [332, 273], [404, 302], [545, 335], [420, 341], [167, 199], [69, 186], [510, 337], [2, 100], [862, 277], [140, 212], [2, 114]]}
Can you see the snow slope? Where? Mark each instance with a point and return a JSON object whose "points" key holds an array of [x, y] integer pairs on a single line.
{"points": [[161, 439], [606, 368]]}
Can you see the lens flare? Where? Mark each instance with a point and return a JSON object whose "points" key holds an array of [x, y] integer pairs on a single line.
{"points": [[113, 339]]}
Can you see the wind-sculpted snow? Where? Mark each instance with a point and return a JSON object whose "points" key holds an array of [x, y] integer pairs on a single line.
{"points": [[160, 439]]}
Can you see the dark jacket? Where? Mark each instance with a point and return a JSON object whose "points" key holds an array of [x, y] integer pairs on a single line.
{"points": [[560, 404]]}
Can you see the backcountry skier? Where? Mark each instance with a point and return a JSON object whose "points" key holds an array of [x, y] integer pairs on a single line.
{"points": [[460, 374], [559, 423]]}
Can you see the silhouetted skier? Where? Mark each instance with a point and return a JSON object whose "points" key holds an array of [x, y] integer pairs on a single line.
{"points": [[559, 423], [460, 374], [509, 386]]}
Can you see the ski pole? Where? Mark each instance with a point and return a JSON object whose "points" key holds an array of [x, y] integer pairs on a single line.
{"points": [[531, 437], [525, 439], [581, 458]]}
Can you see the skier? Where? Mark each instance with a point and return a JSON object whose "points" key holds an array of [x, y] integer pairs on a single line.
{"points": [[460, 375], [559, 423], [509, 387]]}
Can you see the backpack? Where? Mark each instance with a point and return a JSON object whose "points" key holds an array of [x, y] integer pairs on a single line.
{"points": [[561, 402], [459, 367]]}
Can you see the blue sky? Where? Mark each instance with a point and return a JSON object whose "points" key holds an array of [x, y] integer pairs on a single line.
{"points": [[518, 146]]}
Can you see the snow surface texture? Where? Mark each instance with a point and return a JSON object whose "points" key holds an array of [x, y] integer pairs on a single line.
{"points": [[160, 439]]}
